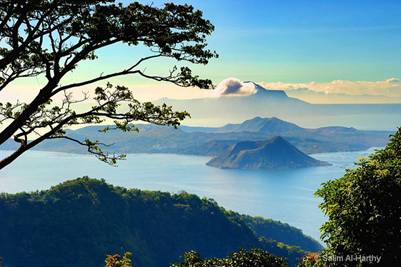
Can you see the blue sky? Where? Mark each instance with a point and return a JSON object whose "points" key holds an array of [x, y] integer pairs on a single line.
{"points": [[330, 48], [301, 41]]}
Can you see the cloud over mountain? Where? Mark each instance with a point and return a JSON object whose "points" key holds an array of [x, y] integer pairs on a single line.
{"points": [[337, 91], [235, 87]]}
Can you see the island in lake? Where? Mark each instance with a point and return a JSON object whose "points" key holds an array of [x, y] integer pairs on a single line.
{"points": [[275, 153]]}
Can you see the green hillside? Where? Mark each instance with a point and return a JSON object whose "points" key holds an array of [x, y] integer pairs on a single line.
{"points": [[78, 222]]}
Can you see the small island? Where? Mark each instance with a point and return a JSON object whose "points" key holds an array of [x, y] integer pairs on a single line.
{"points": [[273, 154]]}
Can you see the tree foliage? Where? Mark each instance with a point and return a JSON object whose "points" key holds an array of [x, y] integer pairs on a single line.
{"points": [[50, 38], [117, 261], [364, 208], [80, 221], [242, 258], [312, 260]]}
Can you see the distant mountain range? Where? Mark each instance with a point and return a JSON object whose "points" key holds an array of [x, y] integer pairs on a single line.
{"points": [[261, 125], [276, 103], [215, 141], [275, 153]]}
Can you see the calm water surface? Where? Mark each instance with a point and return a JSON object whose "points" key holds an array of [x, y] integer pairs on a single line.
{"points": [[282, 195]]}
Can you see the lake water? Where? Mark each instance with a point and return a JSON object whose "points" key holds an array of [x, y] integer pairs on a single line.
{"points": [[281, 195]]}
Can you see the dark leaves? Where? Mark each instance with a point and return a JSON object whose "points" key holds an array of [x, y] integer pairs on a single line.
{"points": [[364, 208], [52, 38], [79, 28], [242, 258]]}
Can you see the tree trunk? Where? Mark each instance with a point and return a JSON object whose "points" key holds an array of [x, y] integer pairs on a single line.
{"points": [[8, 132], [4, 162]]}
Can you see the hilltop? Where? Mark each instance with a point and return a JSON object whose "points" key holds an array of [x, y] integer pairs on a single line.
{"points": [[78, 222], [275, 153]]}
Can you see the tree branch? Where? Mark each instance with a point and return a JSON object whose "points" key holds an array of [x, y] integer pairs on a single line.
{"points": [[108, 76]]}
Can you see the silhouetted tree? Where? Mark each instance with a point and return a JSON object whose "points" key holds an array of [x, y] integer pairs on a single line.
{"points": [[364, 209], [50, 38]]}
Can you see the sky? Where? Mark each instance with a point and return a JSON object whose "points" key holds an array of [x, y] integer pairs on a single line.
{"points": [[302, 41], [319, 51]]}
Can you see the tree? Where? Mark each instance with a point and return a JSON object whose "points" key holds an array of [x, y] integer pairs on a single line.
{"points": [[311, 259], [50, 38], [117, 261], [243, 258], [364, 209]]}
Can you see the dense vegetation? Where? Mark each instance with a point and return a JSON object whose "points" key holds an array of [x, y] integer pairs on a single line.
{"points": [[78, 222], [279, 231], [364, 208], [119, 261], [242, 258]]}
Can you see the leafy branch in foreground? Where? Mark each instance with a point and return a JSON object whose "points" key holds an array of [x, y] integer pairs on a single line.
{"points": [[48, 39], [364, 210], [111, 102]]}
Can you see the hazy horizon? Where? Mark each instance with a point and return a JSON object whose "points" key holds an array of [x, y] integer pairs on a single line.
{"points": [[338, 52]]}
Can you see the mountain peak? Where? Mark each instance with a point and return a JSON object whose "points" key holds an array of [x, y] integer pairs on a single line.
{"points": [[278, 139], [268, 125], [260, 90], [235, 87], [264, 119], [275, 153]]}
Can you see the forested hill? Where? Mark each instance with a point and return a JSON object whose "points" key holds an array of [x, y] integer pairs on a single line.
{"points": [[80, 221]]}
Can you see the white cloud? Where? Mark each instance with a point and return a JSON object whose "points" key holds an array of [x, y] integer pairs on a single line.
{"points": [[234, 87], [389, 88], [343, 91], [337, 91], [394, 80]]}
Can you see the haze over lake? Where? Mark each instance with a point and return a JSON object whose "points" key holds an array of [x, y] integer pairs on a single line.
{"points": [[281, 195]]}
